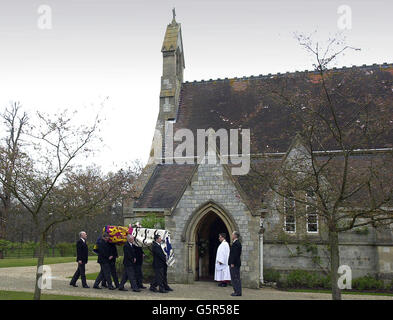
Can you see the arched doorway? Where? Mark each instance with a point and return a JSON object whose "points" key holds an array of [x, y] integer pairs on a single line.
{"points": [[205, 223], [208, 229]]}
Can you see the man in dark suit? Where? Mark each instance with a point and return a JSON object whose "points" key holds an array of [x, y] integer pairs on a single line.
{"points": [[129, 262], [112, 265], [82, 254], [159, 265], [139, 254], [166, 286], [104, 258], [235, 263]]}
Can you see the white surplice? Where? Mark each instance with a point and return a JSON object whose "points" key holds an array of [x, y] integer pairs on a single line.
{"points": [[222, 270]]}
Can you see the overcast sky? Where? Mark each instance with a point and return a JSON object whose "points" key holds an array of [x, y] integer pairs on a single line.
{"points": [[111, 48]]}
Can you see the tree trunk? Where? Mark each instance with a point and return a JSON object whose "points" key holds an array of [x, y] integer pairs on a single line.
{"points": [[40, 263], [3, 228], [335, 263]]}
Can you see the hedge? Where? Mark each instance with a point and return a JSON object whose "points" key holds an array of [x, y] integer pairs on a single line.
{"points": [[29, 249], [271, 275], [147, 268], [369, 283], [315, 280]]}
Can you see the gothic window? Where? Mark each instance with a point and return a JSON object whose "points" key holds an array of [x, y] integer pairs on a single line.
{"points": [[289, 214], [311, 213]]}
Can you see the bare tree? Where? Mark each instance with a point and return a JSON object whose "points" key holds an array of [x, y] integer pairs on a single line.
{"points": [[49, 185], [20, 222], [339, 169], [15, 122]]}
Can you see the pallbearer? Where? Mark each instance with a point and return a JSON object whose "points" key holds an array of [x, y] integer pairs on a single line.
{"points": [[139, 254], [129, 262], [159, 266], [112, 264], [104, 258]]}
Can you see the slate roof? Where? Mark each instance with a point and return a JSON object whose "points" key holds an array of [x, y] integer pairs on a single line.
{"points": [[164, 186], [249, 103]]}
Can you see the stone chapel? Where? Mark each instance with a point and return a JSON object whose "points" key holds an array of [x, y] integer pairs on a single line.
{"points": [[199, 201]]}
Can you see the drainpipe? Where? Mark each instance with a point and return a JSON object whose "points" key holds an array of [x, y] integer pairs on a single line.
{"points": [[261, 231]]}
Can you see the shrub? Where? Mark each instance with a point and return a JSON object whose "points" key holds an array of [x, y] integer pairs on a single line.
{"points": [[153, 221], [306, 279], [148, 256], [326, 282], [66, 249], [298, 278], [119, 266], [147, 268], [15, 246], [390, 285], [90, 247], [367, 283], [271, 275], [30, 245], [148, 272], [5, 245]]}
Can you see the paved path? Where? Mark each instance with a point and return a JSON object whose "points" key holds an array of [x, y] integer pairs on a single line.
{"points": [[22, 279]]}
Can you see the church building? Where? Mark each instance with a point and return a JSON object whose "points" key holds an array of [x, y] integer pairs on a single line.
{"points": [[200, 200]]}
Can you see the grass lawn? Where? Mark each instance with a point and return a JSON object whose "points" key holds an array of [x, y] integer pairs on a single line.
{"points": [[18, 295], [343, 292], [26, 262], [91, 276]]}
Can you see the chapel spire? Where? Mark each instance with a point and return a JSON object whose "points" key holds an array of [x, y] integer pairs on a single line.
{"points": [[173, 68], [171, 81]]}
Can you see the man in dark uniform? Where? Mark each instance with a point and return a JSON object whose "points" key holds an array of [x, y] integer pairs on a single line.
{"points": [[235, 263], [112, 265], [139, 254], [129, 262], [82, 254], [159, 265], [104, 258]]}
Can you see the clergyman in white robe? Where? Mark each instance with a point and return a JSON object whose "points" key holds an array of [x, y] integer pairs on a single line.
{"points": [[222, 272]]}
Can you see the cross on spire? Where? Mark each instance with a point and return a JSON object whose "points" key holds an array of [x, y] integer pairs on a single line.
{"points": [[174, 15]]}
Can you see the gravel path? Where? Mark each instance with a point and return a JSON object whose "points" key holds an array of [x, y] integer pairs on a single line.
{"points": [[23, 278]]}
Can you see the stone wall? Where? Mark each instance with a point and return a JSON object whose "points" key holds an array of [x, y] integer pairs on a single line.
{"points": [[361, 259], [366, 250], [211, 183]]}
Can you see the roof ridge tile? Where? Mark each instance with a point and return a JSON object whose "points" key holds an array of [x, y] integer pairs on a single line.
{"points": [[296, 72]]}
